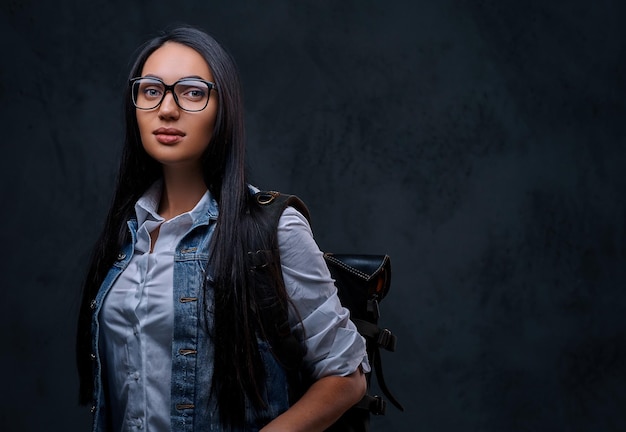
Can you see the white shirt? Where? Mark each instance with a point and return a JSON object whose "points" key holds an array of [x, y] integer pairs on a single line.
{"points": [[137, 314], [138, 320]]}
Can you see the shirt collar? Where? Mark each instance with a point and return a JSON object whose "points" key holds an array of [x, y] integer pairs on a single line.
{"points": [[147, 206]]}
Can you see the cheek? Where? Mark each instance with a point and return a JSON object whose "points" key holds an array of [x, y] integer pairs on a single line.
{"points": [[206, 128], [146, 137], [142, 125]]}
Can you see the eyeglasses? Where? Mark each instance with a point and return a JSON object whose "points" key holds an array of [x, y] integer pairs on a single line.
{"points": [[190, 94]]}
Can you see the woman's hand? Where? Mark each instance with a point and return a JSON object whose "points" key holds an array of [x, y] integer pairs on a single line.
{"points": [[322, 405]]}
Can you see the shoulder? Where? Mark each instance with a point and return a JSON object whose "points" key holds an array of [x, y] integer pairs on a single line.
{"points": [[292, 218], [297, 247], [277, 207]]}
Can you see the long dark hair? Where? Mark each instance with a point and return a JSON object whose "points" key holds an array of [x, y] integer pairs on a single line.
{"points": [[238, 371]]}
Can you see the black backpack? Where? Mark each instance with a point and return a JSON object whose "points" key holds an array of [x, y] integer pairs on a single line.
{"points": [[362, 282]]}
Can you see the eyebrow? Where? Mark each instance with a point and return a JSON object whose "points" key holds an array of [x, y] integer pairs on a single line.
{"points": [[185, 77]]}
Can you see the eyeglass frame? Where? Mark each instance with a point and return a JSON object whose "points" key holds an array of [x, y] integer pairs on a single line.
{"points": [[170, 88]]}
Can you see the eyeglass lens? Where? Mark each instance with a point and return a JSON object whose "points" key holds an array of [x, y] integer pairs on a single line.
{"points": [[190, 94]]}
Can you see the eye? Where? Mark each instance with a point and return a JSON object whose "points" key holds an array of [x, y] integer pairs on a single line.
{"points": [[152, 91], [196, 93], [192, 90]]}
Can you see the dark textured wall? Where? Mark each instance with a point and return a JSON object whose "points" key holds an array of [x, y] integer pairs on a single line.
{"points": [[479, 143]]}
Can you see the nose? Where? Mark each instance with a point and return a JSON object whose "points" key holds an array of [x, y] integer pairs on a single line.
{"points": [[169, 107]]}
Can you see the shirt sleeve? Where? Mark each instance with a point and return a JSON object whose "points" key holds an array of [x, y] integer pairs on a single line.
{"points": [[333, 344]]}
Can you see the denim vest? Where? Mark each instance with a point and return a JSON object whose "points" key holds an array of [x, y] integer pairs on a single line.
{"points": [[193, 408]]}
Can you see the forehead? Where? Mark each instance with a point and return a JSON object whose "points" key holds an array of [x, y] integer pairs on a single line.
{"points": [[173, 61]]}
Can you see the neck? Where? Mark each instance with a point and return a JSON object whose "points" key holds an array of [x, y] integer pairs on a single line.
{"points": [[182, 189]]}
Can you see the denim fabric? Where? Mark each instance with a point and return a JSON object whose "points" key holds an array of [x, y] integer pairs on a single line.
{"points": [[192, 407]]}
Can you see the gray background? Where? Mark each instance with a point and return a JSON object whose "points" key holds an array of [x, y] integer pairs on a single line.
{"points": [[479, 143]]}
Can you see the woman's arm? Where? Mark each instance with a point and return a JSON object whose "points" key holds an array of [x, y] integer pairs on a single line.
{"points": [[336, 356], [323, 403]]}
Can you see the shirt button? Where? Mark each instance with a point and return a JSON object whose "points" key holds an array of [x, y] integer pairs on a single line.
{"points": [[121, 256], [93, 356], [92, 305]]}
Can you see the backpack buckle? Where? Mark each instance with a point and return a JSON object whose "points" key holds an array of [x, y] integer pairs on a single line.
{"points": [[266, 197], [387, 340], [378, 406]]}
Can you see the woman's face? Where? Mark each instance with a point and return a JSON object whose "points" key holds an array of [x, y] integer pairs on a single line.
{"points": [[170, 135]]}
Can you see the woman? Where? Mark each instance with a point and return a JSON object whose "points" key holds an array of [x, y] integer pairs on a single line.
{"points": [[167, 337]]}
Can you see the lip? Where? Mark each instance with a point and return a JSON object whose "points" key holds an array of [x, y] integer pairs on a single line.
{"points": [[168, 135]]}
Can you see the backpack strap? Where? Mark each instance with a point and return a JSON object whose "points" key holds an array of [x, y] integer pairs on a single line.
{"points": [[279, 203], [266, 208]]}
